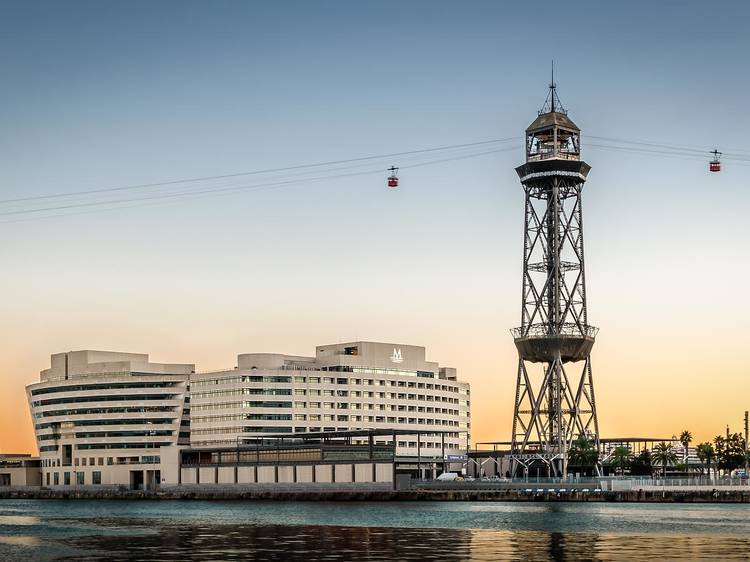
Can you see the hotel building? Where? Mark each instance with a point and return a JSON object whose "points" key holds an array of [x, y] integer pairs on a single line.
{"points": [[96, 414], [107, 418], [346, 386]]}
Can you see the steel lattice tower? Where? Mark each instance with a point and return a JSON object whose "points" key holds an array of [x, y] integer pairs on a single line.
{"points": [[554, 401]]}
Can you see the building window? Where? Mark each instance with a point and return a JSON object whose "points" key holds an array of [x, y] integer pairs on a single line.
{"points": [[79, 478], [57, 479], [96, 477], [48, 479], [66, 478]]}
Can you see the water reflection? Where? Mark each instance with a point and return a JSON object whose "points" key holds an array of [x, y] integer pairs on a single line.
{"points": [[19, 520], [20, 540], [291, 531], [304, 543]]}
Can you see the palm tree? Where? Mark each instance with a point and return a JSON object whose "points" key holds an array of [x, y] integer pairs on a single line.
{"points": [[685, 438], [620, 458], [706, 454], [663, 453], [583, 453]]}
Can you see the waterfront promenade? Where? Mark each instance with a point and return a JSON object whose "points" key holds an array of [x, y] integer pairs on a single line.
{"points": [[533, 490]]}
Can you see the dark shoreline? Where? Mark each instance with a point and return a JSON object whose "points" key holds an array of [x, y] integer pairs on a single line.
{"points": [[633, 496]]}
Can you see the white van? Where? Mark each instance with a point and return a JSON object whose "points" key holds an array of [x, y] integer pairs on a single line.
{"points": [[449, 477]]}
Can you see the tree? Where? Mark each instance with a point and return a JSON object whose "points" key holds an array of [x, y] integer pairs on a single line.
{"points": [[640, 465], [731, 454], [664, 455], [686, 438], [620, 458], [706, 454], [583, 453]]}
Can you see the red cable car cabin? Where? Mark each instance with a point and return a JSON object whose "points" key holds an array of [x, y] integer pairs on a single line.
{"points": [[393, 178]]}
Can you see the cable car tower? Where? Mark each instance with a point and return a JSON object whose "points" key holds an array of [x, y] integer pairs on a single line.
{"points": [[554, 401]]}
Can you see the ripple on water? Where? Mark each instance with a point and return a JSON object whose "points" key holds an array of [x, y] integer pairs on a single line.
{"points": [[292, 531]]}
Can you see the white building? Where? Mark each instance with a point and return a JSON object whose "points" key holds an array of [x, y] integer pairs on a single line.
{"points": [[101, 417], [346, 386], [105, 418]]}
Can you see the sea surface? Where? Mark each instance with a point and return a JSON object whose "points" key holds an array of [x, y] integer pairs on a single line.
{"points": [[259, 530]]}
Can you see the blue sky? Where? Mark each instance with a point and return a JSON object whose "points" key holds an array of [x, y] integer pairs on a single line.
{"points": [[104, 94]]}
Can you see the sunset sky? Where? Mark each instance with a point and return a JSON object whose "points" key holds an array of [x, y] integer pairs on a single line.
{"points": [[99, 95]]}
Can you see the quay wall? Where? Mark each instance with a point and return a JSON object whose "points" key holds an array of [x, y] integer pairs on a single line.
{"points": [[372, 492]]}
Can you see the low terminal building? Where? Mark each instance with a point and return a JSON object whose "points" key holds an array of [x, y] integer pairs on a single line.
{"points": [[340, 457], [20, 470], [108, 418]]}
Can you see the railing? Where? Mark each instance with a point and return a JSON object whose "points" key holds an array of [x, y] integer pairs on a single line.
{"points": [[715, 482], [536, 157], [542, 330]]}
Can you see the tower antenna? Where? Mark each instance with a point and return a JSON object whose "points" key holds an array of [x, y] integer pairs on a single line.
{"points": [[552, 87]]}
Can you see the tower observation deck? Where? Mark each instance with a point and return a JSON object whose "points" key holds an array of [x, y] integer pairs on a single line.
{"points": [[554, 400]]}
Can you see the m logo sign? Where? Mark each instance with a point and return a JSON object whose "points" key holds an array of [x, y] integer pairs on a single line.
{"points": [[396, 356]]}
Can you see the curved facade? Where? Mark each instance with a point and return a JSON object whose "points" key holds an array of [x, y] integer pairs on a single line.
{"points": [[102, 417]]}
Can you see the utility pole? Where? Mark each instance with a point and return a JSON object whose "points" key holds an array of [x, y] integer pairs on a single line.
{"points": [[747, 460]]}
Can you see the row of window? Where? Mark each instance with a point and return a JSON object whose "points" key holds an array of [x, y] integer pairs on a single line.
{"points": [[99, 461], [104, 398], [146, 445], [244, 392], [449, 445], [96, 478], [329, 392], [244, 404], [119, 421], [234, 379], [104, 386], [110, 410], [377, 371], [237, 378]]}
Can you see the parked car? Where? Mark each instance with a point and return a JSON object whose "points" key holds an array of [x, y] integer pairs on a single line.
{"points": [[449, 477]]}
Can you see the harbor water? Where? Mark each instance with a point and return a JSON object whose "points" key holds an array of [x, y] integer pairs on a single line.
{"points": [[259, 530]]}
